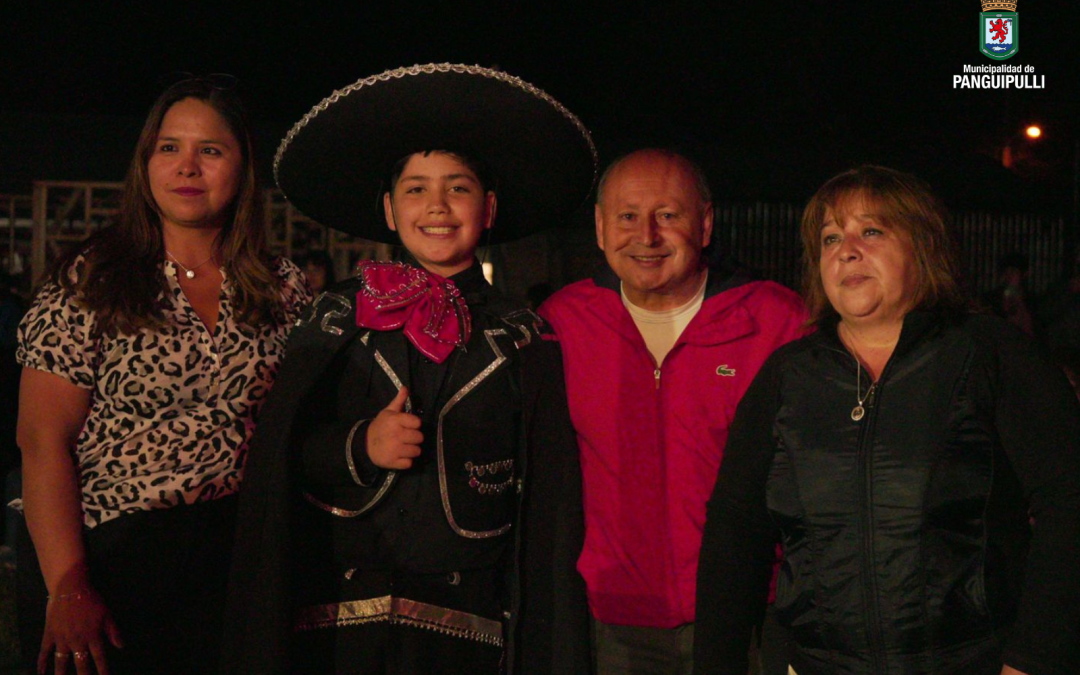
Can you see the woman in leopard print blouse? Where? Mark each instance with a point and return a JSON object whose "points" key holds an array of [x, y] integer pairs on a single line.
{"points": [[146, 357]]}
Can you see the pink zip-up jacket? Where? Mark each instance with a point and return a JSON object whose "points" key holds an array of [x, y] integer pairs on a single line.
{"points": [[651, 438]]}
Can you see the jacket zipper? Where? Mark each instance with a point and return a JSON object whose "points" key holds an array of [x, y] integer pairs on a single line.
{"points": [[656, 374], [870, 585]]}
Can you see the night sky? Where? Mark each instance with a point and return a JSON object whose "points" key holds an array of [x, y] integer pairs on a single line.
{"points": [[772, 97]]}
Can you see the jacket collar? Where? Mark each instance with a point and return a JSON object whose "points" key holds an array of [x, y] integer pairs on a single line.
{"points": [[721, 319], [917, 324], [470, 281], [393, 346], [478, 293], [472, 284]]}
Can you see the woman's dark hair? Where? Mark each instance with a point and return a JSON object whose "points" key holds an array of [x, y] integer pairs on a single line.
{"points": [[899, 200], [121, 278]]}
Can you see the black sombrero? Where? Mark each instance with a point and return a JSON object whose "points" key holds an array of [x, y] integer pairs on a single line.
{"points": [[335, 162]]}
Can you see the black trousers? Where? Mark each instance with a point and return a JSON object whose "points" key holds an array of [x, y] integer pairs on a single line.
{"points": [[162, 574]]}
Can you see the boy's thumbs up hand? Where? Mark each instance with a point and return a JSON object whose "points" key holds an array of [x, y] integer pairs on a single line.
{"points": [[394, 436]]}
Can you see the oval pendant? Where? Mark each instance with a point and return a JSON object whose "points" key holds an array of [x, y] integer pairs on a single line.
{"points": [[189, 274], [857, 413]]}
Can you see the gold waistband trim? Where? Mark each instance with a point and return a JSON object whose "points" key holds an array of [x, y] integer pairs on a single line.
{"points": [[401, 611]]}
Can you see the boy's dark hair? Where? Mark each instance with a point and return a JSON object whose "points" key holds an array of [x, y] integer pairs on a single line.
{"points": [[483, 173]]}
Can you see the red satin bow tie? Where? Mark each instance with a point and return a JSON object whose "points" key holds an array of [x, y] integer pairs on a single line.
{"points": [[435, 316]]}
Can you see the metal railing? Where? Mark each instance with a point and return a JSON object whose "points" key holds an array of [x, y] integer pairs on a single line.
{"points": [[765, 238]]}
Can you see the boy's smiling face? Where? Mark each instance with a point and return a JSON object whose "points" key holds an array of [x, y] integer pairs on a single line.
{"points": [[440, 210]]}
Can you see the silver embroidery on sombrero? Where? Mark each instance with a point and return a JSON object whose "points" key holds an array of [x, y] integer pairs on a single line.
{"points": [[428, 69]]}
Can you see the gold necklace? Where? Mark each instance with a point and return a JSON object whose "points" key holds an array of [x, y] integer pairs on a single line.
{"points": [[189, 272], [858, 412]]}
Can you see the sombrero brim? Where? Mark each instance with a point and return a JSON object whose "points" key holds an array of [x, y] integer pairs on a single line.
{"points": [[335, 162]]}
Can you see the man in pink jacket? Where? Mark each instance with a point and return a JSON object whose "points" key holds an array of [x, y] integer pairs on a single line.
{"points": [[657, 353]]}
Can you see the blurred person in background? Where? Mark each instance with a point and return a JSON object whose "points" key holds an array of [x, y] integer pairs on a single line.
{"points": [[1010, 298], [318, 267], [12, 308]]}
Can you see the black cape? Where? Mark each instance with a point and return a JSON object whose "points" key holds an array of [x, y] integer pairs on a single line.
{"points": [[547, 625]]}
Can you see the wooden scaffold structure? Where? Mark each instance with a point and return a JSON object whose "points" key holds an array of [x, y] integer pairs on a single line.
{"points": [[36, 229], [16, 227]]}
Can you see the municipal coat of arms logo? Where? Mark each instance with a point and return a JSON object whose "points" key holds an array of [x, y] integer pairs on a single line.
{"points": [[999, 29]]}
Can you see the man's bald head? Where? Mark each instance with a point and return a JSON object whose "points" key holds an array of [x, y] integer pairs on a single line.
{"points": [[701, 183]]}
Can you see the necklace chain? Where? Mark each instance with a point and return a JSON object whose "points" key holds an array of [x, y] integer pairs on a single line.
{"points": [[189, 272], [859, 411]]}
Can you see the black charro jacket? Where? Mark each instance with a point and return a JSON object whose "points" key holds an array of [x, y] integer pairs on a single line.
{"points": [[283, 511], [906, 535]]}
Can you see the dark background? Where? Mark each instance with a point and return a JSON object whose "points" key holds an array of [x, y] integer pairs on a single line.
{"points": [[772, 97]]}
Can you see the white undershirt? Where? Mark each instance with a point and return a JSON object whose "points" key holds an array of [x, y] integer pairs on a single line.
{"points": [[661, 329]]}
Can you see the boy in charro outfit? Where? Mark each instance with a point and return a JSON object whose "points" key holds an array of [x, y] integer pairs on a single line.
{"points": [[412, 502]]}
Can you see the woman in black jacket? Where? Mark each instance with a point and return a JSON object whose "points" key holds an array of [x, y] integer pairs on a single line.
{"points": [[919, 465]]}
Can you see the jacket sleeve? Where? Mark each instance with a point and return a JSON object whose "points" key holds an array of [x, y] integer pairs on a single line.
{"points": [[257, 625], [327, 448], [738, 544], [259, 611], [554, 623], [1038, 419], [330, 439]]}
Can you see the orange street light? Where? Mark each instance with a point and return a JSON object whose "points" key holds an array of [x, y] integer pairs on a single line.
{"points": [[1032, 132]]}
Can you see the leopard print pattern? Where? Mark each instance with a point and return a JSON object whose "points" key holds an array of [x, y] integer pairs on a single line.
{"points": [[171, 410]]}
